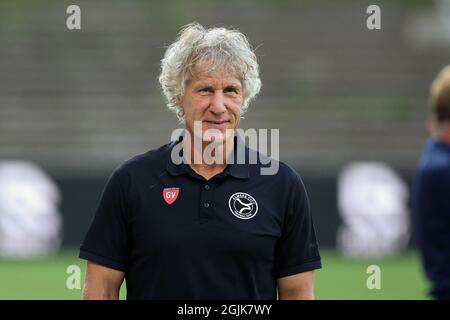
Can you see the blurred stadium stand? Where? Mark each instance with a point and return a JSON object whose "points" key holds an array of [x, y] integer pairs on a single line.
{"points": [[80, 102]]}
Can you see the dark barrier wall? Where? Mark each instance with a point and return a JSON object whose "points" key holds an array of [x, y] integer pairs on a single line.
{"points": [[81, 196]]}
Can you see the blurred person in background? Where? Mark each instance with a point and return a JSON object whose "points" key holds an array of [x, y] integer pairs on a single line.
{"points": [[30, 217], [373, 205], [218, 230], [433, 191]]}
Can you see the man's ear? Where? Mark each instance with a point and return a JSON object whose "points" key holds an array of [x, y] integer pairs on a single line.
{"points": [[179, 101]]}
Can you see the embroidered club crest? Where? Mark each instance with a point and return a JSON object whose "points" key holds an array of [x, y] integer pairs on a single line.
{"points": [[170, 194], [242, 205]]}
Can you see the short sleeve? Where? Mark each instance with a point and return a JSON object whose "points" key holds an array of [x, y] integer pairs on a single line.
{"points": [[297, 249], [106, 241]]}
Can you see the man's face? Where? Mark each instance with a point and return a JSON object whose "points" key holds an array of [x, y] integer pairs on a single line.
{"points": [[215, 100]]}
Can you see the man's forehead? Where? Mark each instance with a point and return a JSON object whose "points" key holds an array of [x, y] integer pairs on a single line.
{"points": [[204, 73]]}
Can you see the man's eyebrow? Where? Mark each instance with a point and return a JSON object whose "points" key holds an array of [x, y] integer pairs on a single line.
{"points": [[203, 84], [233, 86], [207, 84]]}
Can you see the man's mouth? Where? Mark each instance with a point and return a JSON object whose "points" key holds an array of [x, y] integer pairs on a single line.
{"points": [[216, 122]]}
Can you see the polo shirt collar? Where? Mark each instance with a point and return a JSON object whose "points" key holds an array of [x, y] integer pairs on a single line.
{"points": [[236, 170]]}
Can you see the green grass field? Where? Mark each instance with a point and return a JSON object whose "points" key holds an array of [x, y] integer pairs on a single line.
{"points": [[340, 278]]}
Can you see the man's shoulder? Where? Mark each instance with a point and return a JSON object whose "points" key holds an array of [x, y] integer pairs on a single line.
{"points": [[435, 158], [272, 168], [434, 169], [434, 164], [151, 160]]}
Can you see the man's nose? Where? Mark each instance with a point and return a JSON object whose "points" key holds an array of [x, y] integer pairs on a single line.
{"points": [[218, 103]]}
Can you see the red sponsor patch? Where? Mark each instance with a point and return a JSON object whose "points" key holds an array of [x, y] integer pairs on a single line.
{"points": [[170, 194]]}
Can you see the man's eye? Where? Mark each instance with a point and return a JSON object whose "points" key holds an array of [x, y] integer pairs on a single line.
{"points": [[233, 90], [204, 90]]}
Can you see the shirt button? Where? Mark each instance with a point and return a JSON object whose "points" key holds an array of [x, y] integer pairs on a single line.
{"points": [[206, 204], [207, 187]]}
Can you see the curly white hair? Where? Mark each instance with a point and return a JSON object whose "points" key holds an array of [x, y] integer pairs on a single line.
{"points": [[221, 49]]}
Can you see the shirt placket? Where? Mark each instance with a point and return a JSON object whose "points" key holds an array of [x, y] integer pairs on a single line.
{"points": [[206, 204]]}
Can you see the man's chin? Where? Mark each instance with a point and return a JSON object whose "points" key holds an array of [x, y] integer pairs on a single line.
{"points": [[216, 136]]}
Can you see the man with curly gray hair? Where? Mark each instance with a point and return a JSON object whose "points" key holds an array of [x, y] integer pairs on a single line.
{"points": [[221, 49], [201, 229]]}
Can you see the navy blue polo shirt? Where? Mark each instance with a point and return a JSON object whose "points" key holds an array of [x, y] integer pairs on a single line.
{"points": [[176, 235], [432, 204]]}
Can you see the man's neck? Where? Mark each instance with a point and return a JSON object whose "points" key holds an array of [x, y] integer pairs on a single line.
{"points": [[445, 136], [208, 159]]}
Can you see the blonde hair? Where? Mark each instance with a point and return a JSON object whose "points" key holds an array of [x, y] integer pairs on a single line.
{"points": [[223, 49], [440, 97]]}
